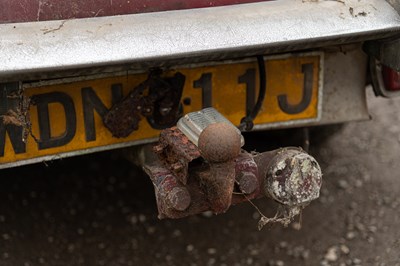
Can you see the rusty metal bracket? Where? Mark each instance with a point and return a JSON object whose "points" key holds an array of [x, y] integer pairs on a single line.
{"points": [[176, 152], [216, 174]]}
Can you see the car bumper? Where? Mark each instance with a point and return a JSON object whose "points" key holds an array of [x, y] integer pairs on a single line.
{"points": [[142, 40]]}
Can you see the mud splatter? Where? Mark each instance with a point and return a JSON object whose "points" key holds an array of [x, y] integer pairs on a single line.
{"points": [[20, 115]]}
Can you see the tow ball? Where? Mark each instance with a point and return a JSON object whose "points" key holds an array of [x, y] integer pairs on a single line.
{"points": [[201, 166]]}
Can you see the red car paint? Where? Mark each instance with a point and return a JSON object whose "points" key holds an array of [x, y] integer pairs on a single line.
{"points": [[41, 10]]}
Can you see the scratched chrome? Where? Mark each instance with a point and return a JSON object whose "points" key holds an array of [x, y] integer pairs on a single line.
{"points": [[77, 43]]}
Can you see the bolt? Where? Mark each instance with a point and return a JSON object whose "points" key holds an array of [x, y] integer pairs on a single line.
{"points": [[248, 182], [178, 198]]}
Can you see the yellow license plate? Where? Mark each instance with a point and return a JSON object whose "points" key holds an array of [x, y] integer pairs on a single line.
{"points": [[67, 122]]}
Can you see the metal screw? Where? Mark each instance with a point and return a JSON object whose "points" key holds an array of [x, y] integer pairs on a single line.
{"points": [[178, 198], [247, 182]]}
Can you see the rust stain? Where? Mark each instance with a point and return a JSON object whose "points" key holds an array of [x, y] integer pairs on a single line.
{"points": [[20, 116], [184, 189]]}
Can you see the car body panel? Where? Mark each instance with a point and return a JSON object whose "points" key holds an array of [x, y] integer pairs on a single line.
{"points": [[42, 10]]}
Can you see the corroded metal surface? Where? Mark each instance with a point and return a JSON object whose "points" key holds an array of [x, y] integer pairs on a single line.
{"points": [[219, 142], [246, 174], [293, 178], [175, 151], [171, 195], [124, 117], [160, 105], [199, 194], [217, 184], [290, 176]]}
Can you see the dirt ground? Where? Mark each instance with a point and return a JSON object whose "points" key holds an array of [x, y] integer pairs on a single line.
{"points": [[100, 210]]}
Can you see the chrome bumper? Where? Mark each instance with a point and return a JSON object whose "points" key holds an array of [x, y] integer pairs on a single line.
{"points": [[210, 33]]}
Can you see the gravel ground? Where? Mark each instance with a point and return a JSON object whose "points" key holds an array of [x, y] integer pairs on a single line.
{"points": [[100, 210]]}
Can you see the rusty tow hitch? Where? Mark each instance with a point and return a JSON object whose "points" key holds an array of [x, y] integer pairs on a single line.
{"points": [[201, 166]]}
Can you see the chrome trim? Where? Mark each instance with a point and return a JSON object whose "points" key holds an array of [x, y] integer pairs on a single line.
{"points": [[79, 43]]}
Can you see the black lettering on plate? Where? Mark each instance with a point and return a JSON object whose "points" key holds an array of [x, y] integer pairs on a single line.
{"points": [[249, 78], [14, 132], [205, 84], [42, 102], [288, 108], [91, 102]]}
